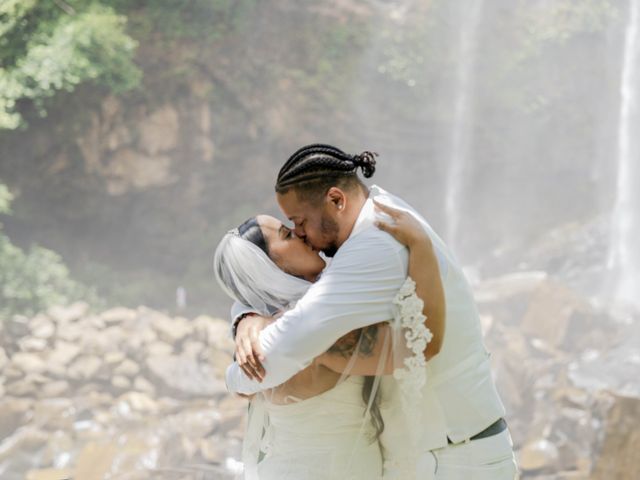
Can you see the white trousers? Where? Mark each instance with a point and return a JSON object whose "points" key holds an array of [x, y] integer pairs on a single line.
{"points": [[488, 458]]}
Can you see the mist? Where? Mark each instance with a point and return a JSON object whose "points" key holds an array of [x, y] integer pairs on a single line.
{"points": [[511, 126]]}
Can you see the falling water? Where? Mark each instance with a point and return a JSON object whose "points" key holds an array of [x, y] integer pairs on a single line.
{"points": [[462, 113], [624, 257]]}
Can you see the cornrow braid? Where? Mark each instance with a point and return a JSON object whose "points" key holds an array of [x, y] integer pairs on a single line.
{"points": [[320, 161]]}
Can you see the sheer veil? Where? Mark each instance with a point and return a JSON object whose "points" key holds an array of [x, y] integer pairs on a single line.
{"points": [[250, 277], [352, 409]]}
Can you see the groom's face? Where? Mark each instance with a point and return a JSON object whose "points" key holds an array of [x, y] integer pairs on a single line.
{"points": [[317, 224]]}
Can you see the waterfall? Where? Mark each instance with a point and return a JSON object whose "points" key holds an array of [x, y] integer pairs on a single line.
{"points": [[624, 258], [462, 115]]}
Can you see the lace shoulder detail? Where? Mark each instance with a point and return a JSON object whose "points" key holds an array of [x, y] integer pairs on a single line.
{"points": [[412, 339], [412, 375]]}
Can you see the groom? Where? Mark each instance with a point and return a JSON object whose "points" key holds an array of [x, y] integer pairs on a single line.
{"points": [[332, 210]]}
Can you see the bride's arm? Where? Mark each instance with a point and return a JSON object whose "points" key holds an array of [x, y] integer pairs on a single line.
{"points": [[423, 269]]}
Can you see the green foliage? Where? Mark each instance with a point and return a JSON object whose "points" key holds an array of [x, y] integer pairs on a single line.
{"points": [[46, 50], [559, 21], [5, 200], [196, 20], [35, 280]]}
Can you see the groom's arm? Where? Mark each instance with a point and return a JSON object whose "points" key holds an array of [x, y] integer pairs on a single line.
{"points": [[356, 290]]}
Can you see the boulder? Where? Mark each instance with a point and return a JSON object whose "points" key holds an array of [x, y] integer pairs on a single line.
{"points": [[121, 382], [17, 326], [28, 362], [54, 389], [63, 354], [13, 414], [95, 460], [42, 327], [19, 450], [32, 344], [185, 375], [70, 332], [118, 315], [50, 474], [618, 456], [137, 401], [192, 349], [159, 349], [141, 384], [3, 358], [171, 330], [214, 332], [549, 314], [85, 367], [128, 368], [538, 456], [111, 358], [61, 314]]}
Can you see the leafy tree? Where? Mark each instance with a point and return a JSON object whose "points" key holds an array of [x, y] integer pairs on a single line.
{"points": [[47, 47], [35, 280]]}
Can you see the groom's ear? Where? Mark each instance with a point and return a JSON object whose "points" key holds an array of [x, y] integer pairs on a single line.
{"points": [[336, 198]]}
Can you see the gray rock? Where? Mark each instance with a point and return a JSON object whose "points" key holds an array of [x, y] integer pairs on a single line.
{"points": [[62, 314], [28, 362], [119, 315], [128, 368], [42, 327], [32, 344], [3, 358], [63, 353], [120, 381], [85, 367], [185, 375], [55, 389]]}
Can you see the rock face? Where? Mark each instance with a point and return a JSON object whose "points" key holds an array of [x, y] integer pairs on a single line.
{"points": [[131, 160], [558, 362], [126, 393], [619, 455]]}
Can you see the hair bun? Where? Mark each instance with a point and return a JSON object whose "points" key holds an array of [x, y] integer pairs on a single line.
{"points": [[367, 162]]}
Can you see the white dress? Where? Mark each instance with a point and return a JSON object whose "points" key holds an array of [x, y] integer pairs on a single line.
{"points": [[321, 438], [327, 436]]}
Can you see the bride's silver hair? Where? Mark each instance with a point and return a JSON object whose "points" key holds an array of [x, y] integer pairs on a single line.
{"points": [[247, 274]]}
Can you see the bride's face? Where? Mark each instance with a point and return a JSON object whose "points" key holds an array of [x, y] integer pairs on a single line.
{"points": [[288, 251]]}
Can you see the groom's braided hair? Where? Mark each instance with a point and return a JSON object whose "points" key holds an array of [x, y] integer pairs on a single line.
{"points": [[313, 169]]}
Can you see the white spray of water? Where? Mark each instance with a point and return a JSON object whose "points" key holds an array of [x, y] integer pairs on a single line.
{"points": [[462, 113], [624, 258]]}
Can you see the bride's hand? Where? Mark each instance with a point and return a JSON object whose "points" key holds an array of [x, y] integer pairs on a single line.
{"points": [[405, 228], [248, 352]]}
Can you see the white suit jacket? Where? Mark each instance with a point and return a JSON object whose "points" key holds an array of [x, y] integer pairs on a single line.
{"points": [[356, 290]]}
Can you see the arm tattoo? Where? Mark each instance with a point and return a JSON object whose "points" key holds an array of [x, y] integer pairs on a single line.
{"points": [[346, 345]]}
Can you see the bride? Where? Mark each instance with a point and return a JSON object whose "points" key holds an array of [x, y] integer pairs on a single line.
{"points": [[327, 422]]}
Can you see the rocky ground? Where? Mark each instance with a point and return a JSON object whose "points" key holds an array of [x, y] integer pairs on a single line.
{"points": [[568, 372], [128, 394], [135, 394]]}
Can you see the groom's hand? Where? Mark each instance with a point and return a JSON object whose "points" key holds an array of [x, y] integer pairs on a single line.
{"points": [[248, 351]]}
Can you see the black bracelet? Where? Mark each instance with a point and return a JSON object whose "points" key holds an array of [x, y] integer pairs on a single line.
{"points": [[234, 327]]}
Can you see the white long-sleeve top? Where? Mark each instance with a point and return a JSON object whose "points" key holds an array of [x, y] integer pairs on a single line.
{"points": [[355, 290]]}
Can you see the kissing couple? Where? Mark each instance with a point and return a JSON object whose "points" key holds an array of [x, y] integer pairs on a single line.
{"points": [[358, 340]]}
